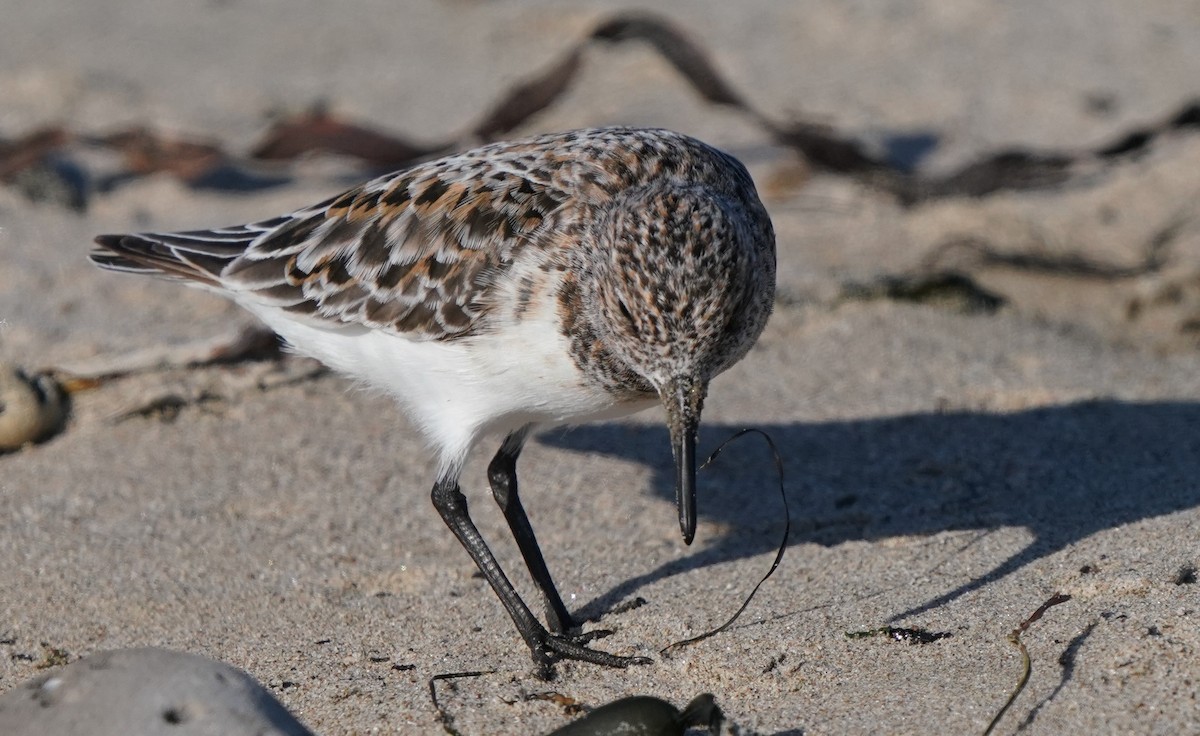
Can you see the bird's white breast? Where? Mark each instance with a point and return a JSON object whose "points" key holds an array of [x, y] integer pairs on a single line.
{"points": [[518, 372]]}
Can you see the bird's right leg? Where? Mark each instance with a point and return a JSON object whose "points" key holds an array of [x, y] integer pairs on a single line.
{"points": [[545, 647]]}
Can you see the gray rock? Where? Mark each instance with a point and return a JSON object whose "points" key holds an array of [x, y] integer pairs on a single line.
{"points": [[145, 692]]}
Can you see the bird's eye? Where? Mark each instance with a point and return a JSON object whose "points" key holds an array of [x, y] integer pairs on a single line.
{"points": [[625, 313]]}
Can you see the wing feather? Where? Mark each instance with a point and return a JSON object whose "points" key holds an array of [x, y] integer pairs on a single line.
{"points": [[419, 252], [414, 253]]}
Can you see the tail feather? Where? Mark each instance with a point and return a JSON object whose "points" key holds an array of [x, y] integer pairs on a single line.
{"points": [[196, 257]]}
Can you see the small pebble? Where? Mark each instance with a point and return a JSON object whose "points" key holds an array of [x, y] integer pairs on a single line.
{"points": [[31, 407]]}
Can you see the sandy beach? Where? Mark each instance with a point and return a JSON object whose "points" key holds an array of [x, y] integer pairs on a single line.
{"points": [[982, 372]]}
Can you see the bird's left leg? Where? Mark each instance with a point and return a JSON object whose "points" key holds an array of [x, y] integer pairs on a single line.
{"points": [[545, 647], [502, 476]]}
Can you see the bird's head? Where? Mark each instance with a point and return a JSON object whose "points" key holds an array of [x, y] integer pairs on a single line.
{"points": [[682, 285]]}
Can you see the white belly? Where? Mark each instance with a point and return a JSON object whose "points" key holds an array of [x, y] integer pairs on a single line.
{"points": [[460, 390]]}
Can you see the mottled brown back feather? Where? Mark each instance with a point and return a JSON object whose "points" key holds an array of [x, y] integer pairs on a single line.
{"points": [[418, 252]]}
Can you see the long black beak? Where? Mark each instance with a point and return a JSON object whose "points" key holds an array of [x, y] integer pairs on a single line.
{"points": [[683, 399]]}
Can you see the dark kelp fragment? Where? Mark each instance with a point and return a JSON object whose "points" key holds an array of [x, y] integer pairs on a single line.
{"points": [[642, 715]]}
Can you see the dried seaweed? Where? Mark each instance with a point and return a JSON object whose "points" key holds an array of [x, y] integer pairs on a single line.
{"points": [[209, 164], [1014, 636]]}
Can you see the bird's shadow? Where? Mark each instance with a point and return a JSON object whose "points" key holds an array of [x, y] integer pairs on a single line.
{"points": [[1062, 473]]}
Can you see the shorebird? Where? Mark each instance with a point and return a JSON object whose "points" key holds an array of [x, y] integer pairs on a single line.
{"points": [[551, 280]]}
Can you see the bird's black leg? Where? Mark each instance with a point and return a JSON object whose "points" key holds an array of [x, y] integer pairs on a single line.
{"points": [[502, 476], [544, 646]]}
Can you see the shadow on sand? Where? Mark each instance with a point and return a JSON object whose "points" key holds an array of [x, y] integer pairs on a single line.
{"points": [[1063, 473]]}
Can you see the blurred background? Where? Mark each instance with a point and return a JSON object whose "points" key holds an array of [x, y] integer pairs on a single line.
{"points": [[1044, 152]]}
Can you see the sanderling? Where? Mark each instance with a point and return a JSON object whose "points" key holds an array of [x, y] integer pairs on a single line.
{"points": [[550, 280]]}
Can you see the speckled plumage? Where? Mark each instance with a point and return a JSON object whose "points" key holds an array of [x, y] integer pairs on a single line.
{"points": [[554, 279]]}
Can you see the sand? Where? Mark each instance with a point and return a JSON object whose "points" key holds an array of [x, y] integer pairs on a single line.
{"points": [[948, 467]]}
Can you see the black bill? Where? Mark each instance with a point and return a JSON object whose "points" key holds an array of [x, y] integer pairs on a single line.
{"points": [[683, 399]]}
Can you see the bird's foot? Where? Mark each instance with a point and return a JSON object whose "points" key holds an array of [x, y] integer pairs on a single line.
{"points": [[554, 648], [586, 637]]}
